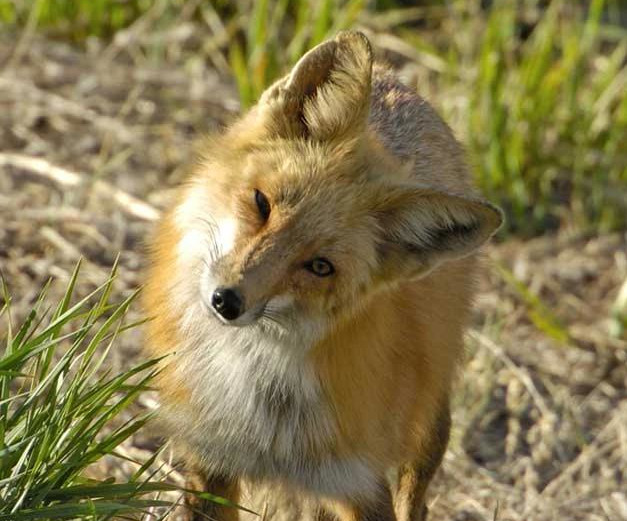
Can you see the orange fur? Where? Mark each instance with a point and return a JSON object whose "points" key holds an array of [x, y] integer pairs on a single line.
{"points": [[347, 381]]}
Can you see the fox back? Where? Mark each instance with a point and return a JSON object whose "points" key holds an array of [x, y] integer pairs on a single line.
{"points": [[313, 281]]}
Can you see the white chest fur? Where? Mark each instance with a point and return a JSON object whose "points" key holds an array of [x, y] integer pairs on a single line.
{"points": [[257, 410]]}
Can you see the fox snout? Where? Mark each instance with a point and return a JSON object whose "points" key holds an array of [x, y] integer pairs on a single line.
{"points": [[235, 293], [238, 286], [228, 303], [231, 307]]}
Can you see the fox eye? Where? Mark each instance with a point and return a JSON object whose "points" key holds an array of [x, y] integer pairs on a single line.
{"points": [[320, 267], [262, 205]]}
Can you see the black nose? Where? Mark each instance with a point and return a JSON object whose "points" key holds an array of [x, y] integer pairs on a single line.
{"points": [[228, 302]]}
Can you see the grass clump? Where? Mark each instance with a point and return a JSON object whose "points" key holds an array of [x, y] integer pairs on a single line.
{"points": [[61, 411], [76, 19], [276, 33], [545, 114]]}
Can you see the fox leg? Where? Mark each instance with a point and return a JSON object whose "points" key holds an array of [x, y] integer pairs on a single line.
{"points": [[379, 509], [204, 510], [414, 477]]}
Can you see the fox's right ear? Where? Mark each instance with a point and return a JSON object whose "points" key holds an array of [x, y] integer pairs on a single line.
{"points": [[327, 93]]}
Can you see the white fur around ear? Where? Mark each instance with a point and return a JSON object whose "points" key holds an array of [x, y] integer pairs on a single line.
{"points": [[423, 228], [327, 93]]}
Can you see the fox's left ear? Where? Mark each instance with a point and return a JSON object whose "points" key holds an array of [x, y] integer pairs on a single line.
{"points": [[422, 228], [327, 93]]}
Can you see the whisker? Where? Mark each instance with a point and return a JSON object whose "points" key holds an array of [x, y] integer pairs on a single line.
{"points": [[213, 244], [209, 221], [275, 317]]}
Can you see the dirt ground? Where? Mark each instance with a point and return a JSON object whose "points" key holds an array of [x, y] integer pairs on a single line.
{"points": [[92, 142]]}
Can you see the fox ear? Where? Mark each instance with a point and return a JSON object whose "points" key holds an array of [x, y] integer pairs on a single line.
{"points": [[422, 228], [327, 93]]}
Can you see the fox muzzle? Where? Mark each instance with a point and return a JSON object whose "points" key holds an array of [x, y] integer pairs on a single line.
{"points": [[228, 303]]}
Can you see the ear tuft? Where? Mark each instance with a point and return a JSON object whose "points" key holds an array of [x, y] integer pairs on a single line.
{"points": [[327, 93], [342, 103], [312, 70]]}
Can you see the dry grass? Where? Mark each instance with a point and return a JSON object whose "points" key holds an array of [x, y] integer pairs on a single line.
{"points": [[90, 144]]}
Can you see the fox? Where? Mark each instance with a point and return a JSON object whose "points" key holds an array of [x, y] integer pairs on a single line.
{"points": [[310, 286]]}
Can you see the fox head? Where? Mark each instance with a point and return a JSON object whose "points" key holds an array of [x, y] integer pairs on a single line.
{"points": [[297, 213]]}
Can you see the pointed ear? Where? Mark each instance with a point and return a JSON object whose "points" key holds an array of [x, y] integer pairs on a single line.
{"points": [[422, 228], [327, 93]]}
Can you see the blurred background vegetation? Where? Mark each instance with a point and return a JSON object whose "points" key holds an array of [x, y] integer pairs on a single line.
{"points": [[537, 90]]}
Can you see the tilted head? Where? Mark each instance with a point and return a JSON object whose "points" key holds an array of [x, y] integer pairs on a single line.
{"points": [[297, 214]]}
